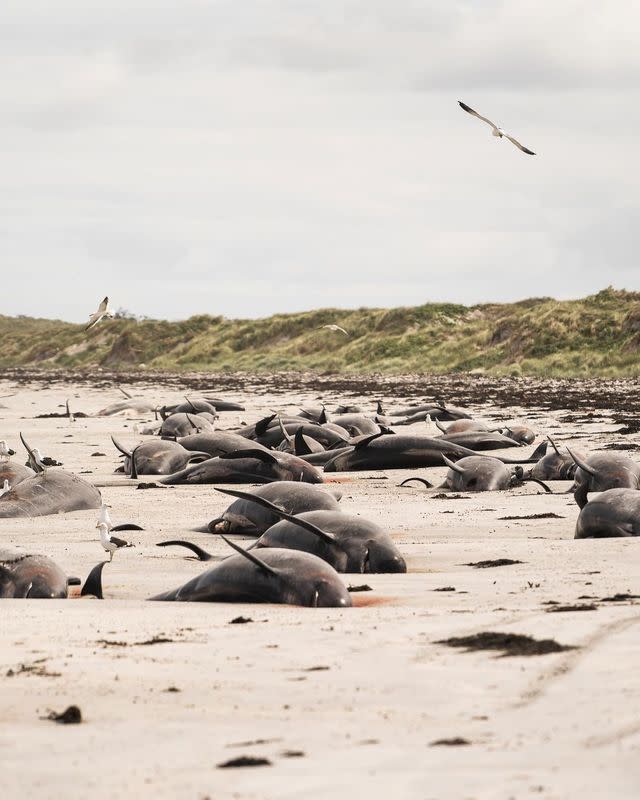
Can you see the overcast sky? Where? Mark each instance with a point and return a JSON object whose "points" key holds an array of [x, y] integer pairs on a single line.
{"points": [[245, 158]]}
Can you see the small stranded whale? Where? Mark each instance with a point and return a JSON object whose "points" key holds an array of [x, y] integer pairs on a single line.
{"points": [[519, 433], [50, 492], [480, 440], [250, 519], [556, 465], [480, 474], [603, 471], [25, 575], [192, 406], [275, 576], [444, 413], [615, 512], [405, 451], [157, 457], [248, 466], [184, 423], [217, 443]]}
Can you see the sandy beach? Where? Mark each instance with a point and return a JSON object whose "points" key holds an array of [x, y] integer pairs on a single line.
{"points": [[342, 703]]}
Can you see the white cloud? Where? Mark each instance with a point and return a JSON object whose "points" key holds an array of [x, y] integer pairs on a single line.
{"points": [[264, 156]]}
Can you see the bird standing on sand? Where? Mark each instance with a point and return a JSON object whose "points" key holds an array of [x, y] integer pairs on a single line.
{"points": [[335, 328], [496, 130], [5, 450], [103, 312], [111, 543]]}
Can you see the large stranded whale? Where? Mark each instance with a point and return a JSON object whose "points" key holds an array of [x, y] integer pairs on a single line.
{"points": [[275, 576], [27, 575], [615, 512]]}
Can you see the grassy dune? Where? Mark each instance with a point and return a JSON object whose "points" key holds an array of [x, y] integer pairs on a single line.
{"points": [[596, 336]]}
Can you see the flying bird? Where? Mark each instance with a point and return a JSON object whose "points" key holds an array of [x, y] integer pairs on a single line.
{"points": [[102, 312], [335, 328], [496, 130], [109, 542]]}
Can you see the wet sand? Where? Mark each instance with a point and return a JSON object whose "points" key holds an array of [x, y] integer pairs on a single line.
{"points": [[342, 703]]}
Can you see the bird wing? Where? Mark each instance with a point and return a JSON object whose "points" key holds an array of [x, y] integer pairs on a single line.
{"points": [[94, 319], [342, 330], [469, 110], [519, 146], [119, 542], [104, 304]]}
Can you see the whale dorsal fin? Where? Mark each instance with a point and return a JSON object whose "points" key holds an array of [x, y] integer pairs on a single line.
{"points": [[250, 557], [93, 584], [120, 447]]}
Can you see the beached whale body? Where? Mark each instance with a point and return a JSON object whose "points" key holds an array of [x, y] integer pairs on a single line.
{"points": [[293, 497], [13, 472], [276, 576], [51, 492], [613, 513], [31, 576]]}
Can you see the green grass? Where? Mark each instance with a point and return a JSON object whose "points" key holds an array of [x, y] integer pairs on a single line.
{"points": [[596, 336]]}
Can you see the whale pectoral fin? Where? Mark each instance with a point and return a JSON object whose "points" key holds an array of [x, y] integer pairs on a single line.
{"points": [[420, 480], [200, 553], [127, 526], [120, 447]]}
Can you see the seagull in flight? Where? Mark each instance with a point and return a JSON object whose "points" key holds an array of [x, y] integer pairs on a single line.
{"points": [[496, 130], [111, 543], [335, 328], [103, 312]]}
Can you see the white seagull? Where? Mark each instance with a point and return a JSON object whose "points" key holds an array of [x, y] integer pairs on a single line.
{"points": [[102, 312], [496, 130], [105, 519], [5, 451], [335, 328], [5, 487], [111, 543]]}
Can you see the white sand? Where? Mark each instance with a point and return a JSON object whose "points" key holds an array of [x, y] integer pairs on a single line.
{"points": [[554, 726]]}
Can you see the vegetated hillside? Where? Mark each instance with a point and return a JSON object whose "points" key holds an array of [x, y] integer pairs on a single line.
{"points": [[598, 335]]}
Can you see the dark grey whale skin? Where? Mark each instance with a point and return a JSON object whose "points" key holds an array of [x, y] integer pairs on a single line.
{"points": [[51, 492], [246, 518], [288, 577], [31, 576], [614, 513]]}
